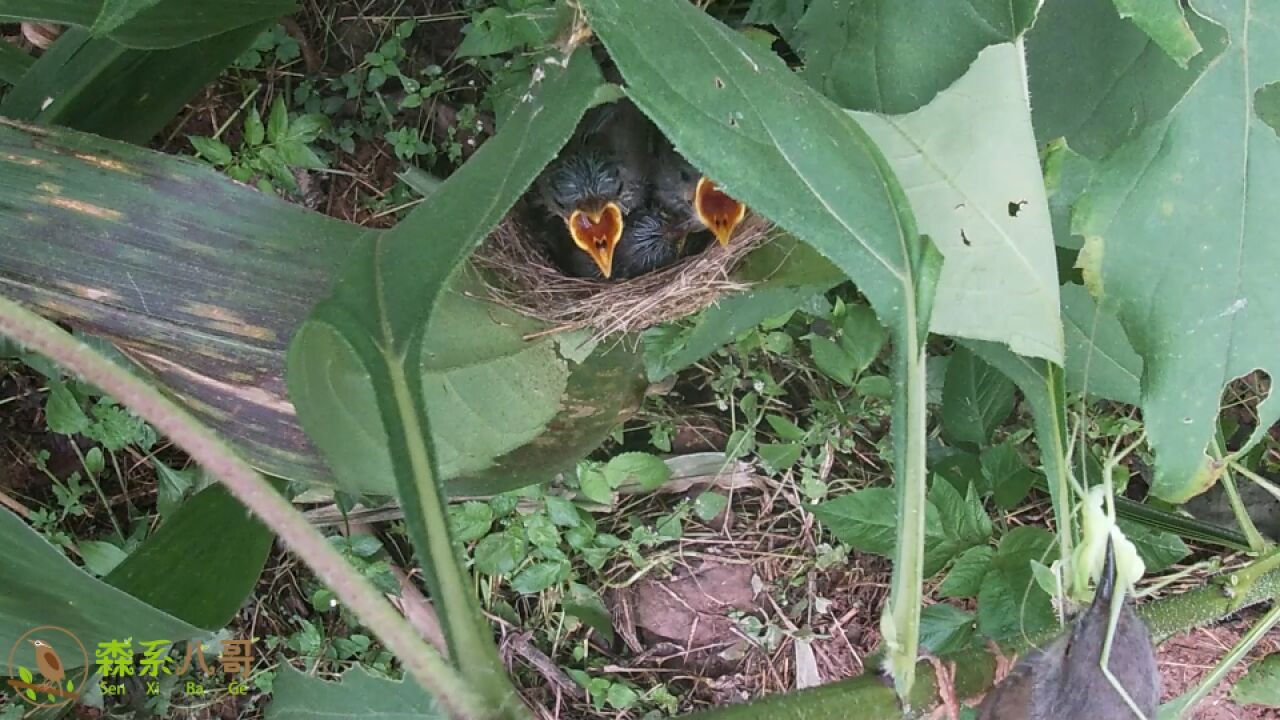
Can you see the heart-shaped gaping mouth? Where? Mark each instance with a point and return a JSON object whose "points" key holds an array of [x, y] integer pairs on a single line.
{"points": [[597, 232], [719, 212]]}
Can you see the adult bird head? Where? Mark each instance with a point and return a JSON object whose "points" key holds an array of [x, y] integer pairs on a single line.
{"points": [[719, 212]]}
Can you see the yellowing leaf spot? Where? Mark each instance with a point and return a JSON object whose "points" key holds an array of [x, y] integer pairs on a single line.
{"points": [[19, 160], [1090, 264], [83, 208], [49, 188], [222, 319], [106, 164], [1166, 208]]}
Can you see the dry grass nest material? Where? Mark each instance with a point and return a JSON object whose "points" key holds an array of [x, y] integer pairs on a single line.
{"points": [[521, 276]]}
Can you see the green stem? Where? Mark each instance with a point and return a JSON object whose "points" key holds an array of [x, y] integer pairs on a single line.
{"points": [[421, 662], [470, 638], [1256, 543], [901, 622]]}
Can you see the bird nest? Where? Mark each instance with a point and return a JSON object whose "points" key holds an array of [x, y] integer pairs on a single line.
{"points": [[519, 275]]}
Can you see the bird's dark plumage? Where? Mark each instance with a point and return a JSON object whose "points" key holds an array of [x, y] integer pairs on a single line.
{"points": [[1064, 681]]}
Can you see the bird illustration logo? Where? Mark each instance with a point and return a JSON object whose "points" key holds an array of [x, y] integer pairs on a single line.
{"points": [[47, 684], [48, 662]]}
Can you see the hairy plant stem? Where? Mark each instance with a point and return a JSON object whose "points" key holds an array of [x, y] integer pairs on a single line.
{"points": [[421, 662]]}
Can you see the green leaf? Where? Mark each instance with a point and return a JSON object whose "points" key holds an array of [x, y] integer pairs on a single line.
{"points": [[976, 398], [945, 630], [172, 487], [99, 86], [277, 122], [470, 521], [254, 131], [562, 512], [970, 166], [782, 14], [621, 697], [1011, 604], [964, 580], [862, 336], [1099, 81], [25, 674], [867, 520], [1199, 202], [876, 386], [1261, 685], [212, 150], [595, 487], [1006, 474], [13, 63], [779, 457], [538, 577], [1164, 22], [1158, 549], [38, 580], [500, 554], [62, 411], [708, 505], [295, 696], [150, 23], [637, 469], [894, 55], [100, 557], [832, 359], [1066, 176], [203, 561], [1100, 360], [963, 518]]}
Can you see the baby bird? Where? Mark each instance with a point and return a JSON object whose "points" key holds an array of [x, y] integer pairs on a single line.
{"points": [[1064, 681], [692, 198], [600, 178], [650, 241]]}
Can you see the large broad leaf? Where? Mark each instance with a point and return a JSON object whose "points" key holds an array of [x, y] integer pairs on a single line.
{"points": [[1165, 22], [149, 23], [969, 164], [740, 115], [1098, 80], [380, 331], [893, 56], [41, 588], [202, 563], [104, 237], [1180, 227], [97, 85], [295, 696]]}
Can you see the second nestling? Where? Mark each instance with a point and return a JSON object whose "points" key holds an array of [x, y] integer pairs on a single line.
{"points": [[629, 202]]}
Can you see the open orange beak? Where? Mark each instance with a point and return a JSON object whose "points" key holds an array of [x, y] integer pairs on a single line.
{"points": [[719, 212], [597, 232]]}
